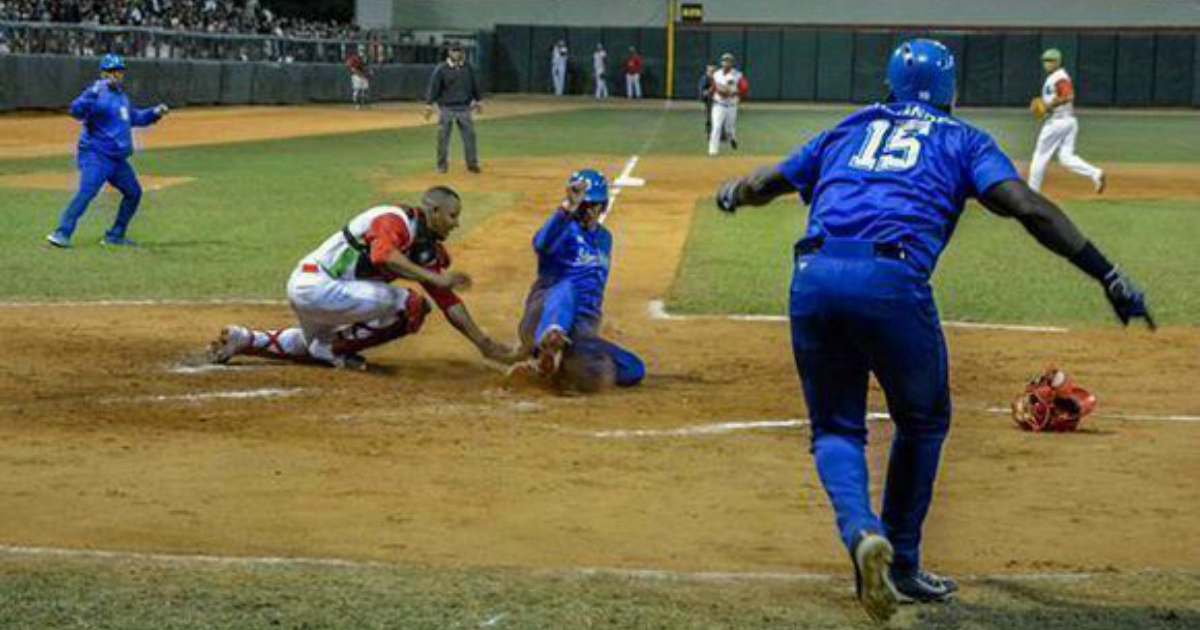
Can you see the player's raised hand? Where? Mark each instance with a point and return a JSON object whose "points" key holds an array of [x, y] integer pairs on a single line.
{"points": [[1127, 300], [727, 196], [575, 192]]}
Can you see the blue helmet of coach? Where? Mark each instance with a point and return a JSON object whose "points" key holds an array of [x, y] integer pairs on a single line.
{"points": [[111, 62], [597, 189], [922, 70]]}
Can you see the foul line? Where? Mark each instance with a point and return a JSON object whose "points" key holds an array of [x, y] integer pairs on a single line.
{"points": [[657, 575], [204, 396], [658, 310], [1136, 417]]}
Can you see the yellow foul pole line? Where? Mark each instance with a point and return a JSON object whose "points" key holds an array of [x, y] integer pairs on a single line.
{"points": [[670, 48]]}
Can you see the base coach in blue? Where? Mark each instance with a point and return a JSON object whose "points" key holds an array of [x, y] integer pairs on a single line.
{"points": [[105, 145], [886, 188]]}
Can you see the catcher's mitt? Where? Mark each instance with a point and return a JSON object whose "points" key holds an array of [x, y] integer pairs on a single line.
{"points": [[1038, 107], [1052, 402]]}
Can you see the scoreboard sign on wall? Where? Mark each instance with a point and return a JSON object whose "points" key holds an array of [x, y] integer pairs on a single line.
{"points": [[691, 13]]}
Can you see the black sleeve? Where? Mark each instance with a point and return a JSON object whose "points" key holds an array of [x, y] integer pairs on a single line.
{"points": [[1048, 224]]}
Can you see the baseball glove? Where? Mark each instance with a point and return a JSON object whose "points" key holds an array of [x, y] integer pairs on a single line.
{"points": [[1052, 402], [1038, 107]]}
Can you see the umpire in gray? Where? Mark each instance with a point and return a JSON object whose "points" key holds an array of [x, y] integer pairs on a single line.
{"points": [[454, 92]]}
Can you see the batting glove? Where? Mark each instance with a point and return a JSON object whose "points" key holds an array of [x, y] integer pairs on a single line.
{"points": [[161, 110], [727, 196], [1127, 300]]}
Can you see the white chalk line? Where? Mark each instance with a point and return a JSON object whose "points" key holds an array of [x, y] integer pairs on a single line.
{"points": [[206, 396], [640, 574], [658, 310], [1135, 417], [206, 368]]}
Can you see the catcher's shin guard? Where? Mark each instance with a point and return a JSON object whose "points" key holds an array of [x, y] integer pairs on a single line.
{"points": [[361, 336]]}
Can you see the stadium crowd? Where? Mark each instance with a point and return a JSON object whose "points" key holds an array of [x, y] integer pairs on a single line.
{"points": [[208, 16]]}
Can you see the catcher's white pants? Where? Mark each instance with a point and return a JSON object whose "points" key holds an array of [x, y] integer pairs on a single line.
{"points": [[1058, 136], [601, 86], [325, 305], [724, 123], [559, 75], [633, 86]]}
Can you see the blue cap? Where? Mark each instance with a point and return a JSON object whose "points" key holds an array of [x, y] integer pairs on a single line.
{"points": [[922, 70], [597, 190], [111, 62]]}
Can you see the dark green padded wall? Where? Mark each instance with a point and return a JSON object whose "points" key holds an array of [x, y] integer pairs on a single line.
{"points": [[691, 54], [617, 41], [652, 42], [798, 65], [981, 72], [1021, 75], [1135, 69], [1174, 66], [510, 59], [1096, 78], [764, 49], [581, 43], [871, 53], [835, 67]]}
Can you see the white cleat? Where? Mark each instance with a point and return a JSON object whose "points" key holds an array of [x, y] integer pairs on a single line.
{"points": [[232, 341], [1100, 182], [872, 563]]}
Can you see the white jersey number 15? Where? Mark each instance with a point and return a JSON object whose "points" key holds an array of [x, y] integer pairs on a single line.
{"points": [[891, 147]]}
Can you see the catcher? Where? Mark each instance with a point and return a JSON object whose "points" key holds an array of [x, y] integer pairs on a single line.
{"points": [[560, 331], [343, 294]]}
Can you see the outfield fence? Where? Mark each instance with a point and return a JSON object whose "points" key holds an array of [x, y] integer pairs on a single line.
{"points": [[53, 81], [996, 67]]}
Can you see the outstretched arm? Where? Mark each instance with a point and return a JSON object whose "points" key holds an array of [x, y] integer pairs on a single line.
{"points": [[756, 189], [461, 319], [1052, 228]]}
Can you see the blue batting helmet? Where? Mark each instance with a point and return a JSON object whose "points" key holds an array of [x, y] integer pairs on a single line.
{"points": [[597, 190], [922, 70], [111, 62]]}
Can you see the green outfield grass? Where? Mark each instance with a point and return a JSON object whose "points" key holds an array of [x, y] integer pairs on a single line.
{"points": [[253, 208], [78, 594], [992, 271]]}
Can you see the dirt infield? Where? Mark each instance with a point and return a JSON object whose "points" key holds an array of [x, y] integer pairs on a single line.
{"points": [[26, 135], [113, 437]]}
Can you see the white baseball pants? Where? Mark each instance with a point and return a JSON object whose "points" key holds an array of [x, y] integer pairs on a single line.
{"points": [[558, 73], [1058, 136], [633, 86], [325, 305], [601, 86], [724, 123]]}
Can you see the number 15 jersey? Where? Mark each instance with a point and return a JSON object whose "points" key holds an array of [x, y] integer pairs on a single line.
{"points": [[895, 173]]}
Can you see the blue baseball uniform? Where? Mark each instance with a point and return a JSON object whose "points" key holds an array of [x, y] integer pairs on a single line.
{"points": [[105, 144], [573, 266], [886, 188]]}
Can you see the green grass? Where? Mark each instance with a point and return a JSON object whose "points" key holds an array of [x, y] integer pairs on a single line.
{"points": [[77, 594], [255, 208], [992, 271]]}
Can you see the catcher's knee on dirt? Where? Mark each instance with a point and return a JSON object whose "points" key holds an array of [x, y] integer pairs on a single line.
{"points": [[364, 335]]}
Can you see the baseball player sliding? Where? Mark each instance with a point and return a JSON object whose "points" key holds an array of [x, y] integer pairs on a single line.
{"points": [[886, 188], [728, 86], [560, 331], [344, 299], [1060, 128]]}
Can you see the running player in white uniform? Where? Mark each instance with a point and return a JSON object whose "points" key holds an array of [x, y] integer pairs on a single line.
{"points": [[727, 93], [1060, 128], [344, 299]]}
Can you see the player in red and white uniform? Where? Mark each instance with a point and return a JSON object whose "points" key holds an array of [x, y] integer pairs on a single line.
{"points": [[360, 79], [728, 88], [1060, 128], [344, 299]]}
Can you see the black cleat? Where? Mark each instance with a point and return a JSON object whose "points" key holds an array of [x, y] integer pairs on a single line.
{"points": [[922, 587], [872, 557], [733, 143]]}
